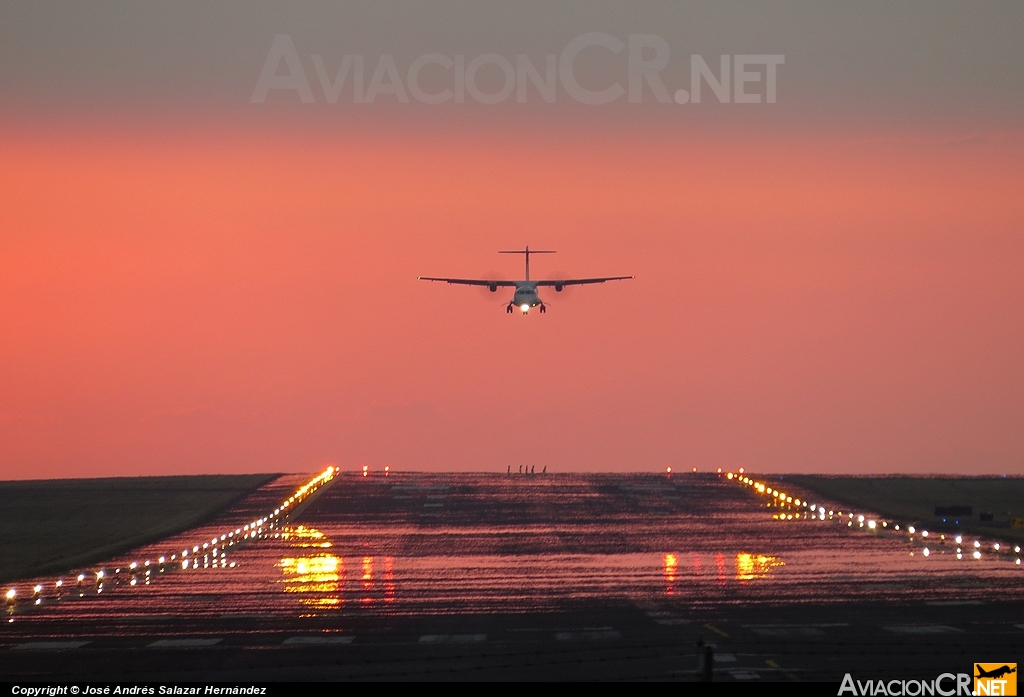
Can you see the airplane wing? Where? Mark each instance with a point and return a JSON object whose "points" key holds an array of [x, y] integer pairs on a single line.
{"points": [[582, 281], [469, 281]]}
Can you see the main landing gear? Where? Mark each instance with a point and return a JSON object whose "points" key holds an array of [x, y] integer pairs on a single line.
{"points": [[509, 309], [543, 308]]}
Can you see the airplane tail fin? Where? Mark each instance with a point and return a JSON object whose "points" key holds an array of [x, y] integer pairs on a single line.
{"points": [[527, 252]]}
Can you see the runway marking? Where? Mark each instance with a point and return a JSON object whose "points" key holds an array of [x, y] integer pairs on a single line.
{"points": [[716, 630], [667, 617], [433, 505], [922, 629], [794, 630], [49, 645], [725, 658], [814, 624], [953, 603], [452, 638], [771, 663], [318, 640], [744, 675], [183, 643], [592, 635]]}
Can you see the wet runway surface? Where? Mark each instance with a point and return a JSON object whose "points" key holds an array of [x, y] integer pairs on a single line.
{"points": [[481, 576]]}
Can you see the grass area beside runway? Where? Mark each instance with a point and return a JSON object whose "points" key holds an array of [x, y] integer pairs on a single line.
{"points": [[55, 525], [915, 499]]}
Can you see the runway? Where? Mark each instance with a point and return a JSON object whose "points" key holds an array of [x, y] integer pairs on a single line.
{"points": [[487, 576]]}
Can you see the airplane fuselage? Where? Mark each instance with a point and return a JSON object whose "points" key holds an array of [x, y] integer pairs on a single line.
{"points": [[526, 296]]}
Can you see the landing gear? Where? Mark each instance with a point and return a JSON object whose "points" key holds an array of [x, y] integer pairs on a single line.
{"points": [[509, 309], [543, 308]]}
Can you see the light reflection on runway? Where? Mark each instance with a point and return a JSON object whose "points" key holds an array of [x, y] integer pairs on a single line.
{"points": [[420, 544]]}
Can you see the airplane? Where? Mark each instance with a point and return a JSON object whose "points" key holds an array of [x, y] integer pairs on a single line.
{"points": [[525, 296], [995, 673]]}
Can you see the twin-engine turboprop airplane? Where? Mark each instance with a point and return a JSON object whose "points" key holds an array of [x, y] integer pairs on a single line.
{"points": [[525, 296]]}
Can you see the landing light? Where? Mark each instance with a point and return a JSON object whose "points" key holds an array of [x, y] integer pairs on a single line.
{"points": [[525, 308]]}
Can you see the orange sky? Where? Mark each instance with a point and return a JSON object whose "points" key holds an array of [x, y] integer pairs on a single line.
{"points": [[240, 295]]}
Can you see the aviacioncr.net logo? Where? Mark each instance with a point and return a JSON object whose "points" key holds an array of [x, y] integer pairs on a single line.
{"points": [[946, 685], [995, 679]]}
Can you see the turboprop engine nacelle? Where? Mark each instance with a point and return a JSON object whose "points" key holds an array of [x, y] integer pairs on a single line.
{"points": [[493, 287]]}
